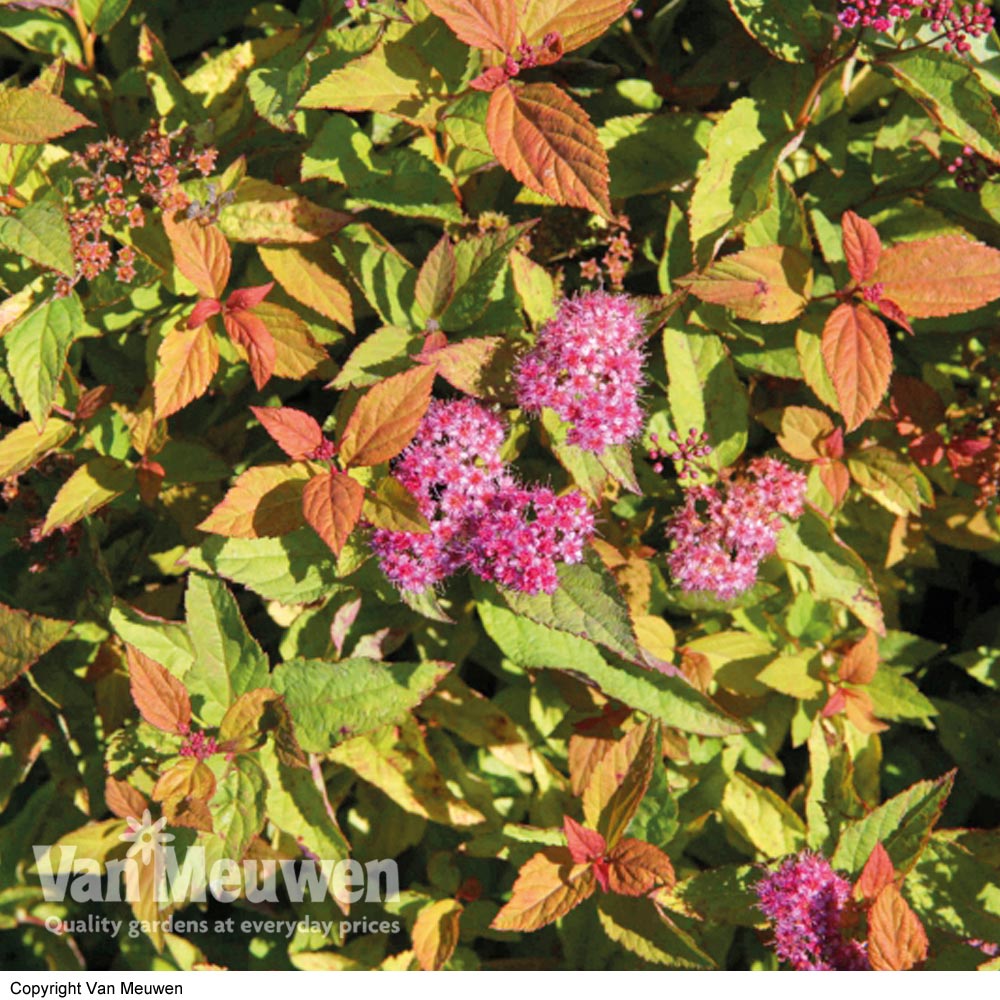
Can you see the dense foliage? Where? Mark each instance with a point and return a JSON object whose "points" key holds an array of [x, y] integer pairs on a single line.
{"points": [[548, 445]]}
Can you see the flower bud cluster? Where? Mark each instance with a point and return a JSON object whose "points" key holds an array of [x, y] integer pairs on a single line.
{"points": [[587, 366], [956, 22], [479, 516], [806, 902]]}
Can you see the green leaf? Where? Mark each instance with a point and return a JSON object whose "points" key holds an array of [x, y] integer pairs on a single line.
{"points": [[762, 818], [386, 277], [896, 697], [228, 660], [665, 697], [898, 485], [836, 572], [967, 728], [24, 446], [792, 675], [23, 639], [704, 392], [37, 346], [639, 926], [40, 232], [902, 825], [97, 482], [165, 642], [30, 115], [952, 94], [793, 30], [332, 702], [238, 806]]}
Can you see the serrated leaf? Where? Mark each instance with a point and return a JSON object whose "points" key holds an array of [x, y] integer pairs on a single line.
{"points": [[24, 446], [238, 806], [30, 115], [436, 280], [331, 504], [577, 22], [333, 702], [640, 926], [265, 501], [791, 675], [890, 480], [263, 212], [549, 144], [124, 800], [940, 276], [97, 482], [296, 433], [484, 24], [248, 331], [189, 778], [793, 30], [637, 868], [201, 254], [897, 940], [877, 873], [765, 284], [858, 359], [24, 638], [548, 886], [37, 345], [762, 818], [435, 933], [297, 355], [802, 431], [187, 361], [39, 231], [312, 277], [862, 246], [393, 507], [386, 418], [161, 698]]}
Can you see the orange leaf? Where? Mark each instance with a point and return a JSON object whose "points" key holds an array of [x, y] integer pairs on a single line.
{"points": [[249, 331], [295, 432], [435, 933], [584, 845], [858, 358], [122, 799], [940, 276], [549, 144], [877, 873], [860, 711], [837, 480], [332, 504], [264, 502], [161, 698], [548, 886], [897, 940], [297, 355], [186, 363], [307, 274], [485, 24], [802, 429], [585, 753], [201, 254], [386, 418], [637, 868], [576, 21], [861, 661], [862, 246]]}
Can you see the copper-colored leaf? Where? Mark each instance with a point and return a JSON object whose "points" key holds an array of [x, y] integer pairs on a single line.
{"points": [[435, 933], [548, 886], [549, 144], [297, 355], [897, 940], [161, 698], [248, 298], [585, 753], [861, 661], [862, 246], [436, 281], [485, 24], [201, 254], [858, 359], [386, 418], [332, 503], [877, 873], [802, 431], [189, 778], [185, 365], [311, 276], [264, 502], [637, 868], [248, 331], [860, 711], [584, 845], [576, 21], [122, 799], [296, 433], [940, 276], [837, 480]]}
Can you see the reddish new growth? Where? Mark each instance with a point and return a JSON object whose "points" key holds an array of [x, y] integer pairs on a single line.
{"points": [[198, 745], [955, 22], [723, 532], [971, 171], [806, 902], [116, 179], [479, 516], [587, 366], [617, 258]]}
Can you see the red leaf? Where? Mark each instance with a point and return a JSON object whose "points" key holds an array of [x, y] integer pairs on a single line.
{"points": [[637, 868], [485, 24], [201, 254], [548, 886], [249, 331], [247, 298], [584, 845], [862, 246], [490, 79], [877, 873], [940, 276], [332, 503], [149, 477], [897, 940], [891, 310], [202, 311], [161, 698], [549, 144], [861, 662], [386, 418], [295, 432], [858, 358], [836, 704], [185, 364]]}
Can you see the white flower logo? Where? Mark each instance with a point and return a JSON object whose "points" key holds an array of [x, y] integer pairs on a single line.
{"points": [[147, 837]]}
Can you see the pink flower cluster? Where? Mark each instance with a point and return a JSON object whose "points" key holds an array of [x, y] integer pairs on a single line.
{"points": [[723, 532], [198, 745], [479, 515], [957, 22], [806, 901], [587, 366]]}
